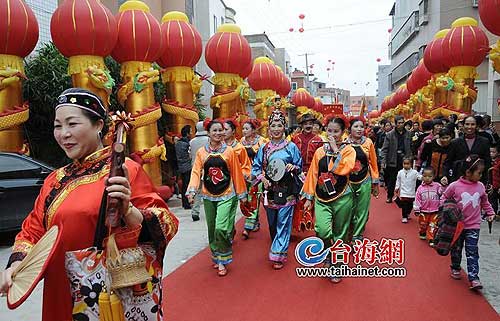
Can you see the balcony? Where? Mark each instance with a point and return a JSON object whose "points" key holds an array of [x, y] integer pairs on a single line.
{"points": [[408, 30], [404, 68]]}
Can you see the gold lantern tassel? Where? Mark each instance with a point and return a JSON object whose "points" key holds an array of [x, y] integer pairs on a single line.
{"points": [[104, 306], [116, 308]]}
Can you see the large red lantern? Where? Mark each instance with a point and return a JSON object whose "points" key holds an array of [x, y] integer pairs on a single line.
{"points": [[374, 114], [285, 85], [465, 44], [183, 45], [434, 59], [139, 34], [227, 51], [264, 75], [318, 105], [489, 11], [419, 78], [18, 28], [244, 73], [83, 28], [302, 16], [303, 98]]}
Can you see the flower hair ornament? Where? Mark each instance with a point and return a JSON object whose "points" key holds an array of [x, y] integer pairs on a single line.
{"points": [[255, 123], [278, 116]]}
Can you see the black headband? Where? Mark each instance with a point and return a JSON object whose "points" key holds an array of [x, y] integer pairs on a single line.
{"points": [[83, 100]]}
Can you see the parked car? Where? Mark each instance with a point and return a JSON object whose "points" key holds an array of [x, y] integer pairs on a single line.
{"points": [[21, 178]]}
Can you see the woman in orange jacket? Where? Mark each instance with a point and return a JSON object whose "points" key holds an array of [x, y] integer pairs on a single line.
{"points": [[363, 178], [217, 167], [327, 183]]}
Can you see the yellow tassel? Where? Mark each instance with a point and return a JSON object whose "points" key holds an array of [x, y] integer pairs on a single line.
{"points": [[116, 308], [104, 306]]}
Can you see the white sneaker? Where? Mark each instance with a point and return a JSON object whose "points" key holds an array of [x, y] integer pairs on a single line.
{"points": [[404, 220]]}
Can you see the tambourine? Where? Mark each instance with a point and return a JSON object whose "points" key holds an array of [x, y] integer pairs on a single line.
{"points": [[276, 169]]}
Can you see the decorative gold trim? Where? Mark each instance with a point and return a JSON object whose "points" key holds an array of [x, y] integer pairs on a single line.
{"points": [[22, 246]]}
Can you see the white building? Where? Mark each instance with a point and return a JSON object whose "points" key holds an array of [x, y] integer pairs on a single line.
{"points": [[43, 10]]}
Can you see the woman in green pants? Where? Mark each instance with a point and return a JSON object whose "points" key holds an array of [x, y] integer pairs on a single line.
{"points": [[217, 167], [327, 184], [363, 178]]}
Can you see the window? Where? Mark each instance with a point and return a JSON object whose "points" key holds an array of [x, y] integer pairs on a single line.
{"points": [[475, 3], [421, 51], [294, 86], [423, 12], [215, 24], [221, 20]]}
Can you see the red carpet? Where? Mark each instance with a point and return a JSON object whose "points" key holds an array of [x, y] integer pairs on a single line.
{"points": [[254, 291]]}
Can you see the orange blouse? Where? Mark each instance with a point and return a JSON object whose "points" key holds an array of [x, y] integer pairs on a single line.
{"points": [[339, 167], [369, 149], [220, 173], [241, 154]]}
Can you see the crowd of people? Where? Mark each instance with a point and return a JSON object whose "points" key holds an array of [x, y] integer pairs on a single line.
{"points": [[330, 170], [318, 176]]}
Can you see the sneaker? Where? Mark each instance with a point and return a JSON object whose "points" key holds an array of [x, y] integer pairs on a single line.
{"points": [[404, 220], [389, 200], [421, 236], [432, 244], [475, 285], [455, 274]]}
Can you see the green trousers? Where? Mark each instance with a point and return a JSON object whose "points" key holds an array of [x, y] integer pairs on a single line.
{"points": [[360, 206], [332, 219], [220, 222]]}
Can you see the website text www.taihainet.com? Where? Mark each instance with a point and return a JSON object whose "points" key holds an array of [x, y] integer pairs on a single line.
{"points": [[346, 271]]}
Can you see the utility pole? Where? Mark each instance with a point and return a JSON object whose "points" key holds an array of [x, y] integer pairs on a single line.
{"points": [[308, 84]]}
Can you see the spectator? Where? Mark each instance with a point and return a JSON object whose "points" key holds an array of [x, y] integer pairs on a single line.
{"points": [[397, 145], [200, 140], [184, 163], [462, 147], [482, 127], [435, 152], [437, 125], [418, 139]]}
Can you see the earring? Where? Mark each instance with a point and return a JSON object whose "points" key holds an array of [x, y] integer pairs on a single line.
{"points": [[99, 134]]}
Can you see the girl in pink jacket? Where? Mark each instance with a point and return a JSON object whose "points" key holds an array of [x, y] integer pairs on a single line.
{"points": [[471, 198], [426, 205]]}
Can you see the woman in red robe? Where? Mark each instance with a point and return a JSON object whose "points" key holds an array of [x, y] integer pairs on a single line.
{"points": [[71, 197]]}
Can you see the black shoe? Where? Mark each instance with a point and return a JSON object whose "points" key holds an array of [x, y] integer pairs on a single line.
{"points": [[195, 218]]}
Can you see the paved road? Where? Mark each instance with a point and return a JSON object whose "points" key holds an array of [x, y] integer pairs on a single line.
{"points": [[192, 238]]}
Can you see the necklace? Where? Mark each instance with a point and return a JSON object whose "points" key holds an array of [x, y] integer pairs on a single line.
{"points": [[214, 149]]}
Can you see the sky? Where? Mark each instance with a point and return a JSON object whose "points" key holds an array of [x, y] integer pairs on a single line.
{"points": [[352, 33]]}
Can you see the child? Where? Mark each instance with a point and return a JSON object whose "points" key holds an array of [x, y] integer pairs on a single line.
{"points": [[494, 177], [470, 195], [405, 188], [426, 205]]}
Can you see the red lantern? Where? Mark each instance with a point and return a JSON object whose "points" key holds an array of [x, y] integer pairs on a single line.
{"points": [[301, 29], [183, 45], [285, 85], [318, 105], [333, 62], [245, 72], [327, 69], [434, 59], [303, 98], [264, 75], [465, 44], [311, 66], [83, 28], [329, 60], [228, 51], [302, 16], [379, 60], [389, 30], [489, 11], [374, 114], [134, 19], [291, 29], [419, 78]]}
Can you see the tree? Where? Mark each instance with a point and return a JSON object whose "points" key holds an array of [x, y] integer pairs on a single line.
{"points": [[47, 73]]}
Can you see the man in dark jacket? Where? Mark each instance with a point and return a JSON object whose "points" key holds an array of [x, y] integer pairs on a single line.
{"points": [[397, 145], [462, 147], [184, 162]]}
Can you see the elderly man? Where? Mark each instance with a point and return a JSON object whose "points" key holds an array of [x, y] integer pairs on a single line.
{"points": [[397, 145]]}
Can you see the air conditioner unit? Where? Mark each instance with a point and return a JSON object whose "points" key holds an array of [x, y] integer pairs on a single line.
{"points": [[475, 3]]}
